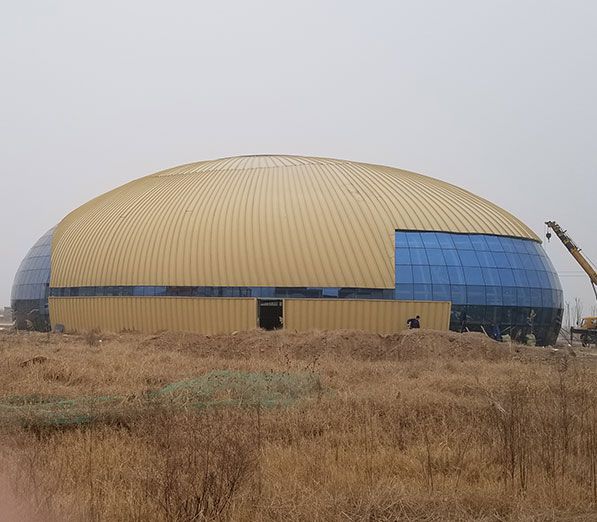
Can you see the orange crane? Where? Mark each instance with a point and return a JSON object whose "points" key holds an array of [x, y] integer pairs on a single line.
{"points": [[588, 325]]}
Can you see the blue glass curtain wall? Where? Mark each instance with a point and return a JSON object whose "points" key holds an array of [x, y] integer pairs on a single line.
{"points": [[491, 280], [276, 292], [475, 270], [29, 296]]}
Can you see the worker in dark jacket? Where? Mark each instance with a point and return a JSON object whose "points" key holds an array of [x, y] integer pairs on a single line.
{"points": [[413, 322]]}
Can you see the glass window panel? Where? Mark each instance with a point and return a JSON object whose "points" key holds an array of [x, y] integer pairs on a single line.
{"points": [[233, 291], [441, 292], [435, 256], [404, 274], [159, 290], [533, 278], [403, 256], [494, 244], [414, 240], [445, 240], [559, 298], [520, 245], [269, 292], [422, 292], [329, 292], [473, 276], [526, 261], [509, 295], [421, 274], [418, 256], [456, 275], [458, 294], [39, 276], [532, 247], [138, 291], [506, 277], [514, 260], [501, 259], [439, 275], [508, 244], [520, 278], [429, 240], [462, 242], [486, 259], [493, 295], [547, 299], [401, 240], [546, 263], [493, 316], [404, 292], [491, 276], [544, 281], [523, 296], [479, 242], [468, 258], [551, 267], [451, 257], [538, 247], [536, 297], [553, 280], [475, 314], [475, 295], [537, 263], [187, 291]]}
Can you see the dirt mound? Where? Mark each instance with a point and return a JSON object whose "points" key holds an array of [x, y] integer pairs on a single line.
{"points": [[406, 345]]}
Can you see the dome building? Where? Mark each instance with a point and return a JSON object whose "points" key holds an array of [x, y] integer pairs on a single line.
{"points": [[292, 242]]}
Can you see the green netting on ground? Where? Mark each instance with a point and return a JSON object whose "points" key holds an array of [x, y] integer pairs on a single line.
{"points": [[242, 388], [216, 388]]}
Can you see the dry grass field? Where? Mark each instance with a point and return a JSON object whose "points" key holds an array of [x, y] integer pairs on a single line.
{"points": [[287, 426]]}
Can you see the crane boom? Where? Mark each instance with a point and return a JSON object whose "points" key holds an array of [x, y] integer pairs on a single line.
{"points": [[575, 251]]}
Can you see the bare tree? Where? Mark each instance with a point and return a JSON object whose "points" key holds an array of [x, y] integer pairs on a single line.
{"points": [[567, 317], [578, 310]]}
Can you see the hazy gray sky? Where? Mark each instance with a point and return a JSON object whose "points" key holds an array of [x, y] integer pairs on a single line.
{"points": [[498, 97]]}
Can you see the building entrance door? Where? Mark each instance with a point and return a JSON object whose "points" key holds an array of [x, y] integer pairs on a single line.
{"points": [[270, 313]]}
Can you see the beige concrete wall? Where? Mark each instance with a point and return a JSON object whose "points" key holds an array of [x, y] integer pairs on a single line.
{"points": [[371, 315], [151, 314]]}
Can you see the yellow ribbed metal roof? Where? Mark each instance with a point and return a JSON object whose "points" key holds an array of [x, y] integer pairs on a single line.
{"points": [[262, 221]]}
